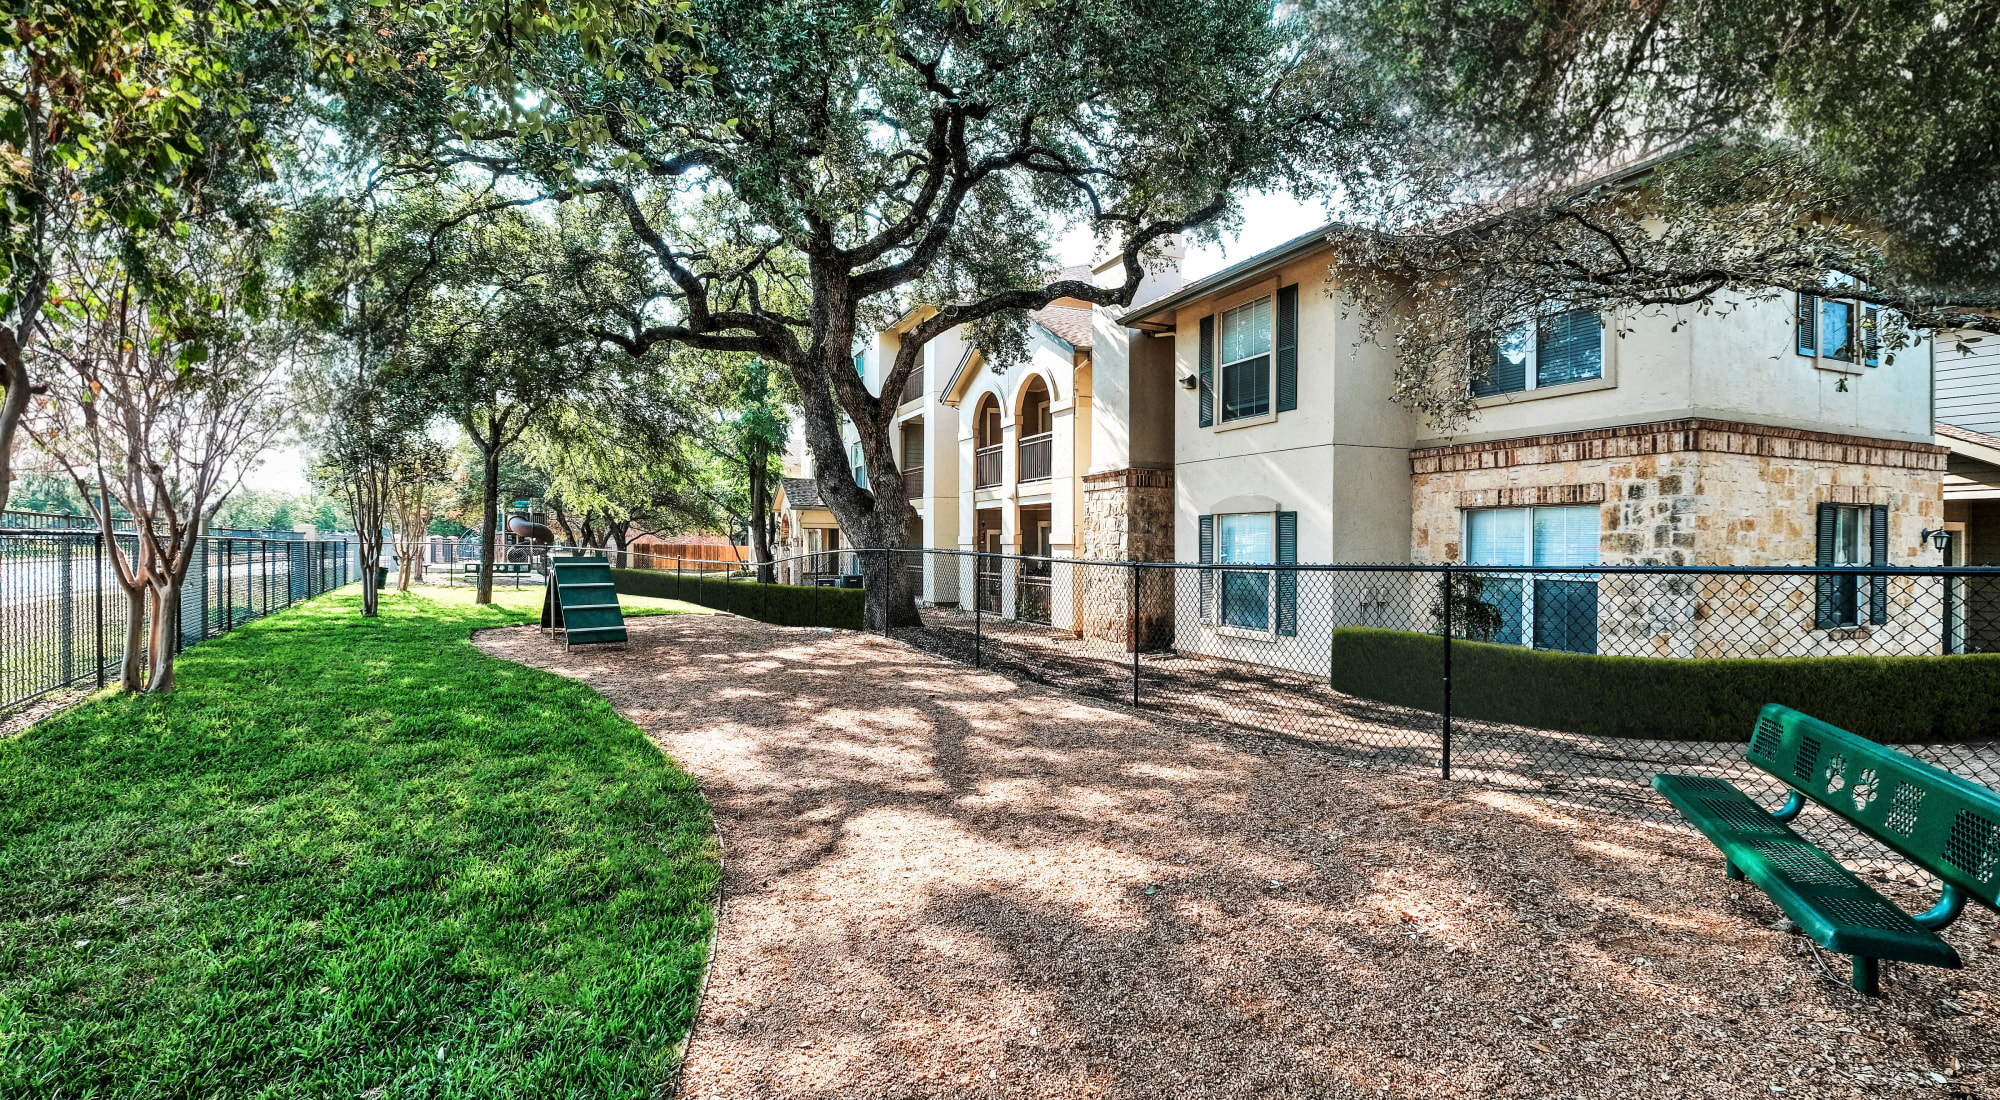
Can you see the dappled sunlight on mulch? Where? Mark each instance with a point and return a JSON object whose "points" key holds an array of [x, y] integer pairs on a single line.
{"points": [[943, 882]]}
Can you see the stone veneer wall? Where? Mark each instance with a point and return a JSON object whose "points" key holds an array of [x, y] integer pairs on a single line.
{"points": [[1128, 515], [1701, 492]]}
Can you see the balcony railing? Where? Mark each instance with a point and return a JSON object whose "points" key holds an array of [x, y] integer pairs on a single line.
{"points": [[986, 466], [913, 483], [913, 386], [1037, 452]]}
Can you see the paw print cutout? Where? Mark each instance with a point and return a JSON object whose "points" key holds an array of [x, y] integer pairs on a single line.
{"points": [[1836, 774], [1866, 788]]}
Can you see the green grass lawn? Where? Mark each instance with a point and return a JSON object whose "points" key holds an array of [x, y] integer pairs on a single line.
{"points": [[349, 858]]}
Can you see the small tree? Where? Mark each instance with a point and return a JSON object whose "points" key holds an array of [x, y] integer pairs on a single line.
{"points": [[417, 485], [165, 393]]}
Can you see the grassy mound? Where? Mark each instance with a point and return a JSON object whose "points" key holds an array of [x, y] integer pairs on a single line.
{"points": [[349, 855]]}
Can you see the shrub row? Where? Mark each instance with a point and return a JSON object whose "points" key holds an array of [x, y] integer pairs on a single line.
{"points": [[1911, 700], [779, 604]]}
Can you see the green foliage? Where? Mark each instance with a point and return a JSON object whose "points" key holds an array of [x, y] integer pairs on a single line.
{"points": [[1894, 700], [349, 855], [781, 604]]}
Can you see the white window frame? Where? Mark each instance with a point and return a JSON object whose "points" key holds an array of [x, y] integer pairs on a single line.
{"points": [[1857, 323], [1270, 631], [1270, 356], [1861, 517], [1527, 639], [860, 466]]}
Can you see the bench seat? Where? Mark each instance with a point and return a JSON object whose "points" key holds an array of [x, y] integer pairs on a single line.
{"points": [[1829, 903]]}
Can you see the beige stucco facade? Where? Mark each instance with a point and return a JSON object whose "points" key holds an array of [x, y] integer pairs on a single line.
{"points": [[1706, 440]]}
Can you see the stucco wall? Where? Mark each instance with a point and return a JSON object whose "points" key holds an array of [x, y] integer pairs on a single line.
{"points": [[1735, 363]]}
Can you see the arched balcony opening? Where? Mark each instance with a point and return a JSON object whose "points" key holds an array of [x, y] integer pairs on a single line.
{"points": [[1037, 444], [986, 443]]}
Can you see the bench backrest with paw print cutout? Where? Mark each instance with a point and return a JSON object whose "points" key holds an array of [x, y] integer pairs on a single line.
{"points": [[1943, 823]]}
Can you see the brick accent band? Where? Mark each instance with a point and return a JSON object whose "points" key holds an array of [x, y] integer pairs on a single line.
{"points": [[1129, 478], [1665, 437], [1528, 496]]}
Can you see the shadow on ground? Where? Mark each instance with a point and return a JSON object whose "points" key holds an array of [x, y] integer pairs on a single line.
{"points": [[945, 882]]}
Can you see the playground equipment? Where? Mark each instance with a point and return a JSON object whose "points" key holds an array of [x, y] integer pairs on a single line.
{"points": [[580, 605], [529, 540]]}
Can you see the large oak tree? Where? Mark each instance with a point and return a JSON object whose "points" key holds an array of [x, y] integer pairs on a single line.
{"points": [[856, 157]]}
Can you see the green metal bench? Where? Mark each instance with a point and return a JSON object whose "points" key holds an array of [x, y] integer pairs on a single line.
{"points": [[1944, 824]]}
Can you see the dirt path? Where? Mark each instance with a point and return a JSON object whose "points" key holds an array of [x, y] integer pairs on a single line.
{"points": [[941, 882]]}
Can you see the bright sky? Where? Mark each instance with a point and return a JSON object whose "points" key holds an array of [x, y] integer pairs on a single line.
{"points": [[1268, 221], [282, 470]]}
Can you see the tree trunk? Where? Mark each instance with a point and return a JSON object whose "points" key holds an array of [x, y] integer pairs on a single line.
{"points": [[621, 540], [165, 637], [760, 510], [14, 405], [489, 512], [132, 663], [370, 546]]}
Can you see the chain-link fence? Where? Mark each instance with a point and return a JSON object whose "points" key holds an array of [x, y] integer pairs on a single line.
{"points": [[1573, 685], [63, 615]]}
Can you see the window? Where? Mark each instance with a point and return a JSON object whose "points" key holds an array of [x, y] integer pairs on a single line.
{"points": [[860, 467], [1263, 600], [1552, 351], [1540, 610], [1246, 360], [1851, 535], [1246, 596], [1828, 330]]}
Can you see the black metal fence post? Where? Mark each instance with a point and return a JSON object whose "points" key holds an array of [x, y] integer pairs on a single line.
{"points": [[100, 609], [1446, 707], [1135, 634], [978, 610]]}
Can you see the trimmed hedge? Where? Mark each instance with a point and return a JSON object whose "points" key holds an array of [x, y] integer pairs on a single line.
{"points": [[1910, 700], [779, 604]]}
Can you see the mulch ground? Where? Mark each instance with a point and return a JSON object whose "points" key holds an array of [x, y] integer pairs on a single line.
{"points": [[945, 882]]}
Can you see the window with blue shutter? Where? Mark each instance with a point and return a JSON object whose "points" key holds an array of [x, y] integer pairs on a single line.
{"points": [[1244, 340], [1205, 394], [1850, 535], [1288, 348], [1205, 554], [1807, 321], [1288, 579], [1871, 336]]}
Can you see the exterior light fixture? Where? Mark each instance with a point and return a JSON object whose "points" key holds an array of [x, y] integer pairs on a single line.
{"points": [[1188, 382], [1939, 537]]}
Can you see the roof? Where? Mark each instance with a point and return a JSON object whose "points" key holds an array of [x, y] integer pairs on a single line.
{"points": [[801, 492], [1070, 324], [1967, 435], [1234, 273], [1470, 217]]}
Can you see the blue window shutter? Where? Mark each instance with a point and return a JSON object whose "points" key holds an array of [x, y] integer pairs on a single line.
{"points": [[1871, 336], [1205, 393], [1288, 348], [1569, 347], [1205, 555], [1288, 579], [1808, 323], [1878, 554], [1826, 587]]}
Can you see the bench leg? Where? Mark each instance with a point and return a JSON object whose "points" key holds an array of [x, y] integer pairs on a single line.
{"points": [[1732, 870], [1868, 976]]}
